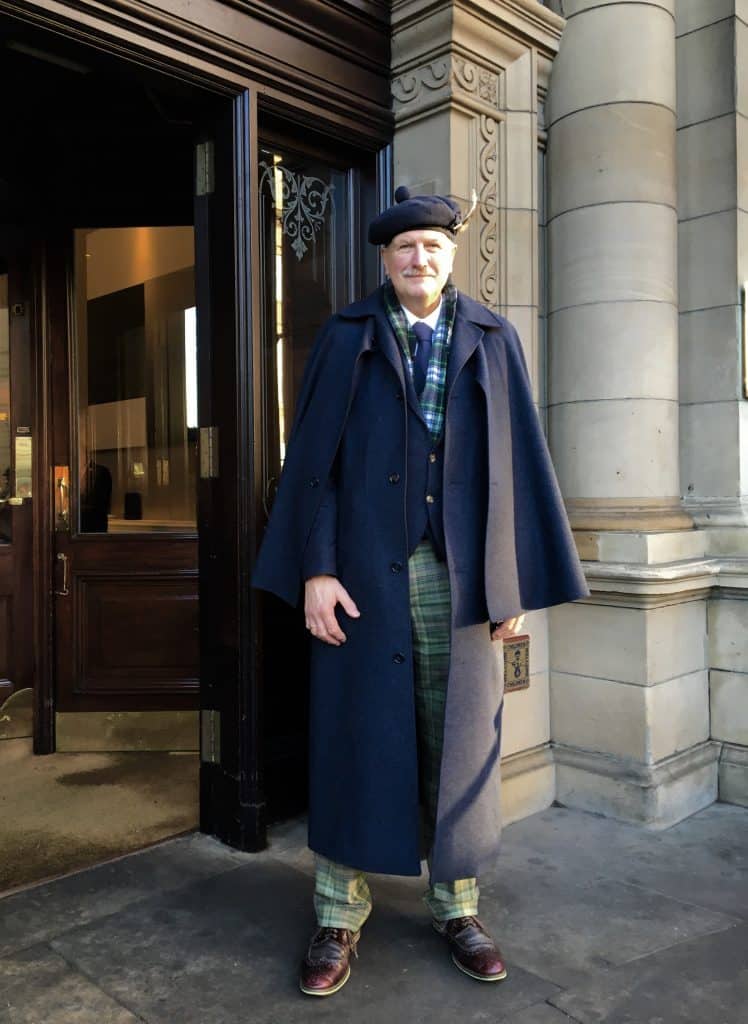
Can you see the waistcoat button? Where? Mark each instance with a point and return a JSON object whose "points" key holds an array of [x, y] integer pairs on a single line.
{"points": [[432, 456], [430, 499]]}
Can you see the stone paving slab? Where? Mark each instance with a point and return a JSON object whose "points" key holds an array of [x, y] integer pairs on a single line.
{"points": [[704, 981], [601, 922], [541, 1013], [562, 931], [227, 949], [703, 859], [39, 987], [39, 913]]}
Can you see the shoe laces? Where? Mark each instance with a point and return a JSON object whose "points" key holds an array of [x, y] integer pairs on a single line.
{"points": [[329, 945], [470, 933]]}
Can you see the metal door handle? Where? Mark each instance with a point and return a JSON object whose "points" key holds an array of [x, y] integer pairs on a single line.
{"points": [[65, 563]]}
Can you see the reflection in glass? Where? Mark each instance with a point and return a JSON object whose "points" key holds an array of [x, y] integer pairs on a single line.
{"points": [[305, 277], [137, 379]]}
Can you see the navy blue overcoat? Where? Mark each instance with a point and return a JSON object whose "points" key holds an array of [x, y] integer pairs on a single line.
{"points": [[351, 412]]}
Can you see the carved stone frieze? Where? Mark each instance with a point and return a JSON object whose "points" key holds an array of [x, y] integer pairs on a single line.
{"points": [[488, 209], [476, 80], [456, 76]]}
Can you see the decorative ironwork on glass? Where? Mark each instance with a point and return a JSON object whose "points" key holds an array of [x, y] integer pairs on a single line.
{"points": [[302, 202]]}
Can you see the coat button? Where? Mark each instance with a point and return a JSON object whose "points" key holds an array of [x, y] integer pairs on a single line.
{"points": [[397, 567], [432, 456], [430, 499], [398, 658], [314, 482], [394, 478]]}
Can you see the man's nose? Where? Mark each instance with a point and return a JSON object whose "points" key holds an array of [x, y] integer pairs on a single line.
{"points": [[420, 256]]}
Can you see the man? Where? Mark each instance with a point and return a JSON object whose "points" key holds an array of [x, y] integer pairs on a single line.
{"points": [[420, 512]]}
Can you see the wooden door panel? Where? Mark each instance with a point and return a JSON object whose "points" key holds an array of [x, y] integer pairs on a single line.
{"points": [[137, 633], [6, 619]]}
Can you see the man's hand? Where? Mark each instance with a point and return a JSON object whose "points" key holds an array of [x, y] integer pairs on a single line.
{"points": [[507, 628], [321, 595]]}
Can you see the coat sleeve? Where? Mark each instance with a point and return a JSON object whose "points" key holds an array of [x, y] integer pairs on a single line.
{"points": [[320, 554], [303, 490], [547, 561]]}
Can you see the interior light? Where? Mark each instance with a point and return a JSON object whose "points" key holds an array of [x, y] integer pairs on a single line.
{"points": [[190, 365]]}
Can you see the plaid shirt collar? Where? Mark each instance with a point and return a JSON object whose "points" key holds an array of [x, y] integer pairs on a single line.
{"points": [[434, 393]]}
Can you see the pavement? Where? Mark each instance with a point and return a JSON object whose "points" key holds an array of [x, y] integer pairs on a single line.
{"points": [[601, 923]]}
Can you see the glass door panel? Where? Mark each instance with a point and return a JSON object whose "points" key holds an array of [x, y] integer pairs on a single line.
{"points": [[6, 483], [304, 278], [312, 264], [136, 379]]}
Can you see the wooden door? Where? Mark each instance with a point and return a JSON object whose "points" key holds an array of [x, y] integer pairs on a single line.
{"points": [[315, 199], [122, 325], [16, 589]]}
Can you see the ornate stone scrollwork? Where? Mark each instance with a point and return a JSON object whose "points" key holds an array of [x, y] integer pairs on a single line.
{"points": [[488, 197], [304, 201], [476, 80], [408, 87], [461, 75]]}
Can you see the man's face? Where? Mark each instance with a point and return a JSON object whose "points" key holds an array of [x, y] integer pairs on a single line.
{"points": [[418, 264]]}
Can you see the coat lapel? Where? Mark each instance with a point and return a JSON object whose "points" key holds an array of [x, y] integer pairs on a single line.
{"points": [[391, 351], [466, 336]]}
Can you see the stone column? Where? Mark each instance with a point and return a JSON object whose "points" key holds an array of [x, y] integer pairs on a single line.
{"points": [[467, 77], [629, 684], [613, 318]]}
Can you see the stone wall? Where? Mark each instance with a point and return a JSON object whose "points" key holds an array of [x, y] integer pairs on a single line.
{"points": [[469, 80], [638, 704], [712, 55]]}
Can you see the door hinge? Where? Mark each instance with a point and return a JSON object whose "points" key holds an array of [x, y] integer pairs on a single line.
{"points": [[204, 169], [210, 736], [208, 453]]}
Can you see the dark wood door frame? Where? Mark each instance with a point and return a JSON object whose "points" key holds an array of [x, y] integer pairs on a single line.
{"points": [[347, 93]]}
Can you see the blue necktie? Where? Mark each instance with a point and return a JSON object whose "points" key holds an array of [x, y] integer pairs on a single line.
{"points": [[423, 334]]}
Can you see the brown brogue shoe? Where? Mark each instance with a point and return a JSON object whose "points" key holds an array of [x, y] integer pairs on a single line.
{"points": [[473, 949], [326, 966]]}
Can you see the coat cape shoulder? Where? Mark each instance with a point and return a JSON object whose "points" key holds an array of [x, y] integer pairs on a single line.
{"points": [[529, 541]]}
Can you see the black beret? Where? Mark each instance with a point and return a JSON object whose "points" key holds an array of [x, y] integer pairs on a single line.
{"points": [[413, 212]]}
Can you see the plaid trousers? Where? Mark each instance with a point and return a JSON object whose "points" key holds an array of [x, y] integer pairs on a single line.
{"points": [[341, 894]]}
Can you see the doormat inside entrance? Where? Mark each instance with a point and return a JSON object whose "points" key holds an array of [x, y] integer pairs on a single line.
{"points": [[63, 812]]}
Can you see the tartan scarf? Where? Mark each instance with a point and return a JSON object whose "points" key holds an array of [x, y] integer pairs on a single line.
{"points": [[434, 393]]}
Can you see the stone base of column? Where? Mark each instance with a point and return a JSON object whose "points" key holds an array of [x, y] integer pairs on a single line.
{"points": [[631, 515], [640, 548], [655, 795], [723, 523], [528, 783], [733, 775]]}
